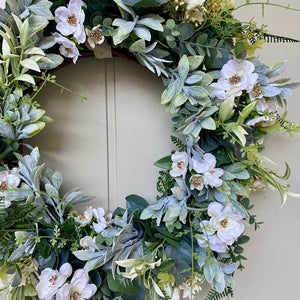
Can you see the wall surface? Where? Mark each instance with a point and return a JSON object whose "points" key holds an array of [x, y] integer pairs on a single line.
{"points": [[108, 143]]}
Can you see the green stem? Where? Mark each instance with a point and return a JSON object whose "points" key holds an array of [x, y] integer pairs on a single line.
{"points": [[267, 3]]}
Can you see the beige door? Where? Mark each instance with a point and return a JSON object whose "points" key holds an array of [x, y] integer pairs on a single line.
{"points": [[108, 143]]}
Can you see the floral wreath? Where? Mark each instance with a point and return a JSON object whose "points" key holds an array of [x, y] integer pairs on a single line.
{"points": [[224, 104]]}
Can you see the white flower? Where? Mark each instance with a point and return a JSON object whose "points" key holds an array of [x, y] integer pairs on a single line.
{"points": [[103, 220], [263, 121], [210, 239], [78, 288], [95, 36], [87, 242], [8, 180], [70, 20], [51, 280], [179, 165], [86, 218], [67, 48], [235, 77], [207, 168], [228, 224]]}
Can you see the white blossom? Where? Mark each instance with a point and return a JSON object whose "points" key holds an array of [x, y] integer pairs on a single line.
{"points": [[70, 20], [86, 218], [209, 238], [228, 224], [211, 174], [95, 36], [51, 280], [78, 288], [235, 77], [87, 242], [67, 47], [263, 121], [179, 165], [103, 220], [8, 180]]}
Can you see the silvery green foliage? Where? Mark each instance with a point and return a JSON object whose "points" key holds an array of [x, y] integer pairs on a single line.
{"points": [[277, 90], [140, 26], [144, 57], [217, 274], [27, 241], [40, 187], [187, 84], [197, 121], [168, 209], [25, 120], [126, 244]]}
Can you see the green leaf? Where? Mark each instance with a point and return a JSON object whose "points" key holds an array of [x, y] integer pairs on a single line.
{"points": [[37, 23], [121, 285], [164, 163], [180, 98], [243, 239], [138, 46], [30, 64], [169, 93], [135, 202], [25, 78], [6, 130], [166, 265], [31, 130], [24, 32], [183, 68], [44, 248], [209, 124], [239, 48], [195, 61]]}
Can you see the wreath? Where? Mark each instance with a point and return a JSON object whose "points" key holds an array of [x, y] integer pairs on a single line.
{"points": [[224, 103]]}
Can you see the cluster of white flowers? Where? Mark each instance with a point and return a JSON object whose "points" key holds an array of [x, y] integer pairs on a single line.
{"points": [[102, 219], [52, 284], [206, 172], [239, 76], [70, 22], [8, 179], [223, 228], [189, 288]]}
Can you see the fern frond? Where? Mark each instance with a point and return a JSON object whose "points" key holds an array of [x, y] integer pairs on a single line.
{"points": [[178, 143], [272, 38], [214, 295], [164, 184]]}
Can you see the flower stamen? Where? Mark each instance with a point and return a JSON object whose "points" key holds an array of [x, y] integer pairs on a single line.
{"points": [[256, 92], [197, 181], [72, 20], [235, 79], [224, 223], [53, 279], [95, 35], [3, 186]]}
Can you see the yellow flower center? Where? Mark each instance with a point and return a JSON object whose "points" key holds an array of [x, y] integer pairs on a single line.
{"points": [[53, 279], [83, 218], [235, 79], [196, 181], [72, 20], [74, 296], [180, 165], [256, 92], [224, 223], [3, 186], [95, 35]]}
